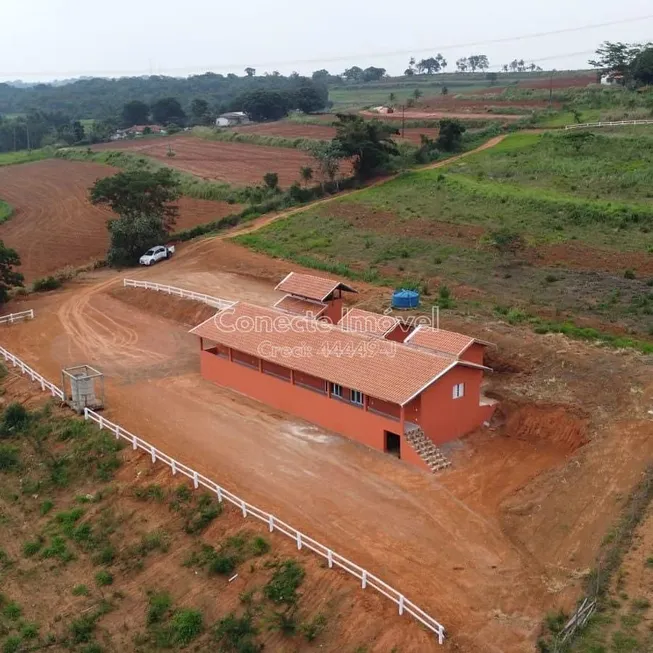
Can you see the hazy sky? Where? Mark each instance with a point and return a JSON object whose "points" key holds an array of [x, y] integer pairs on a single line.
{"points": [[49, 39]]}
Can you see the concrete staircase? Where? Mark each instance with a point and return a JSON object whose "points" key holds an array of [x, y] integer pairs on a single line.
{"points": [[426, 449]]}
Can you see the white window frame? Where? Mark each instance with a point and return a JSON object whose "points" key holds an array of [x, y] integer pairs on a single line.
{"points": [[336, 390], [356, 397], [458, 391]]}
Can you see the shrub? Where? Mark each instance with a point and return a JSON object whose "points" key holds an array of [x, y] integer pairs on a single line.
{"points": [[185, 626], [282, 587], [629, 274], [103, 578], [260, 546], [80, 590], [152, 491], [223, 564], [82, 629], [45, 284], [46, 507], [159, 605], [271, 180], [314, 627], [237, 633], [32, 547], [12, 611], [14, 419], [9, 458], [12, 644]]}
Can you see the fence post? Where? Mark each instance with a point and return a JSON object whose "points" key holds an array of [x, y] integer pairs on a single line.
{"points": [[401, 604], [364, 579], [441, 635], [299, 540], [117, 432], [86, 413], [134, 443], [153, 455], [271, 522], [195, 480], [330, 558], [42, 385], [101, 422], [219, 490], [244, 507], [174, 467]]}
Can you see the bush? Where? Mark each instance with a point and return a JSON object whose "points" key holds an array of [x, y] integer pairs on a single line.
{"points": [[223, 564], [14, 419], [237, 633], [282, 587], [629, 274], [103, 578], [260, 546], [80, 590], [185, 626], [271, 180], [159, 605], [45, 284], [9, 458]]}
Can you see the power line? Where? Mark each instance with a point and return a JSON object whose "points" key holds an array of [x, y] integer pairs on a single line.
{"points": [[350, 57]]}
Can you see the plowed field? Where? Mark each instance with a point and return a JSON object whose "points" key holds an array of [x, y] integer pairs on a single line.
{"points": [[322, 132], [54, 225], [235, 163]]}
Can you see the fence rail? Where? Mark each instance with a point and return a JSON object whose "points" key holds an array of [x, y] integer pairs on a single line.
{"points": [[216, 302], [17, 317], [35, 376], [610, 123], [273, 523]]}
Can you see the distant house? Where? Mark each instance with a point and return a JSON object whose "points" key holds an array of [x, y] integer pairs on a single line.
{"points": [[232, 118], [612, 79], [138, 131]]}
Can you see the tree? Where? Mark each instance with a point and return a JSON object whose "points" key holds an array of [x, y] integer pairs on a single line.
{"points": [[505, 68], [353, 74], [271, 180], [615, 59], [143, 201], [199, 109], [450, 136], [462, 64], [311, 97], [429, 66], [478, 62], [250, 72], [78, 131], [321, 75], [369, 143], [168, 110], [417, 94], [409, 71], [306, 173], [9, 278], [135, 113], [642, 67], [445, 90], [372, 74], [392, 97], [265, 105], [328, 156]]}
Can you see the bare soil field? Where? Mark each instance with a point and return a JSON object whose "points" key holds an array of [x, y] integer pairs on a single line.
{"points": [[54, 224], [438, 115], [234, 163], [323, 132], [487, 547]]}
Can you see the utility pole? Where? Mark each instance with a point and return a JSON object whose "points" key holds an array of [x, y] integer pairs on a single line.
{"points": [[403, 119], [27, 130]]}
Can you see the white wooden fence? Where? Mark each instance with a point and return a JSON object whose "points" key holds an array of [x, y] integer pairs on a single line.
{"points": [[17, 317], [216, 302], [611, 123], [35, 376], [274, 524]]}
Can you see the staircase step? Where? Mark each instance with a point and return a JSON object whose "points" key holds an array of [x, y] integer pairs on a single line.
{"points": [[427, 450]]}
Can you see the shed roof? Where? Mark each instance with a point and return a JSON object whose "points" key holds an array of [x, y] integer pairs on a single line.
{"points": [[374, 324], [386, 370], [299, 306], [311, 287], [446, 342]]}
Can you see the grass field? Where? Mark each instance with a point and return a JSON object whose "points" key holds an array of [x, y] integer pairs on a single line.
{"points": [[579, 258], [25, 156]]}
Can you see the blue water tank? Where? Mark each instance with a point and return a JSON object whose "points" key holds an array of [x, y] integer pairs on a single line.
{"points": [[405, 299]]}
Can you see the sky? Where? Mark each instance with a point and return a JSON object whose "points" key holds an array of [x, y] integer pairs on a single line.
{"points": [[44, 40]]}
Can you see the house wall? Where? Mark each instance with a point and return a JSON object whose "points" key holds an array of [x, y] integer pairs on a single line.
{"points": [[333, 414], [444, 418], [474, 354], [333, 311]]}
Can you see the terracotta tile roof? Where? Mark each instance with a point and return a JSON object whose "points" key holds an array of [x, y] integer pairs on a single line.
{"points": [[379, 368], [447, 342], [311, 287], [374, 324], [298, 306]]}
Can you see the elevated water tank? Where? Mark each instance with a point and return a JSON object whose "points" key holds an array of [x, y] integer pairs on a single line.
{"points": [[405, 299]]}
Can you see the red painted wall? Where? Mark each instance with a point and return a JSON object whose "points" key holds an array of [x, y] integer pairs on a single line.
{"points": [[474, 354], [333, 311], [333, 414]]}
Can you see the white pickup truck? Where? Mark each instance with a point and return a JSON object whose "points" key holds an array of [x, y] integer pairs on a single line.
{"points": [[155, 254]]}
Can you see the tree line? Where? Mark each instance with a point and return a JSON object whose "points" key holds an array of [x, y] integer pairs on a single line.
{"points": [[630, 64]]}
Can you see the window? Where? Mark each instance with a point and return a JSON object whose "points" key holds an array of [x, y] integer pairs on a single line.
{"points": [[357, 397], [459, 390], [336, 390]]}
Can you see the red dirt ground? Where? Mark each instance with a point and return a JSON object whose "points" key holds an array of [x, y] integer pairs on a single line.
{"points": [[488, 547], [55, 226], [438, 115], [234, 163], [322, 132]]}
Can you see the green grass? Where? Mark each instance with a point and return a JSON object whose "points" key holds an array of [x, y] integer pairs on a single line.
{"points": [[6, 211], [227, 136], [586, 164], [25, 156]]}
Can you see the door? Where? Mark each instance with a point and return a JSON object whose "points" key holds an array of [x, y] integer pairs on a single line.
{"points": [[392, 444]]}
